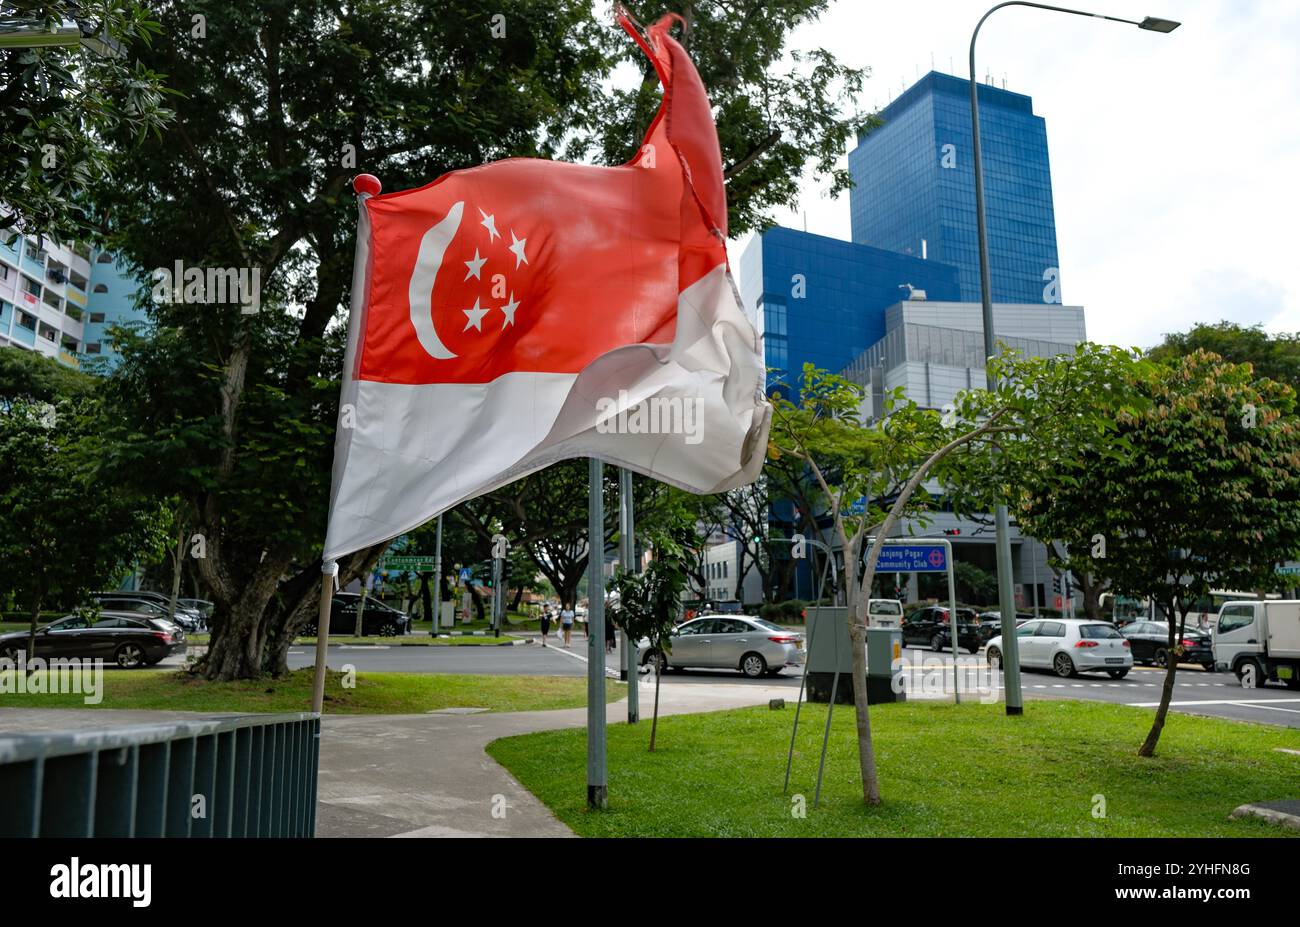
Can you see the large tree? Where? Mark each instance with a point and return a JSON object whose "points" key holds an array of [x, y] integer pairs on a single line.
{"points": [[281, 104]]}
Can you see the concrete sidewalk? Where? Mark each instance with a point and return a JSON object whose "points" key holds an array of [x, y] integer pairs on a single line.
{"points": [[428, 775]]}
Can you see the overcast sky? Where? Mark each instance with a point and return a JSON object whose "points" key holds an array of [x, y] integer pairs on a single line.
{"points": [[1175, 158]]}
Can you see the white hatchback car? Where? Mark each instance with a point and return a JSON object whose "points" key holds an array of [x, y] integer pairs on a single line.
{"points": [[1067, 646]]}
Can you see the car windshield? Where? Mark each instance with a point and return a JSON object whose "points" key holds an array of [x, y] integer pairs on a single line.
{"points": [[886, 608], [1097, 631]]}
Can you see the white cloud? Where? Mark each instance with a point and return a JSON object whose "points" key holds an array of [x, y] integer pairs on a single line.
{"points": [[1175, 158]]}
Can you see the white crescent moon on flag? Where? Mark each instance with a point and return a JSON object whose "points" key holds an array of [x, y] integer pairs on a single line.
{"points": [[427, 263]]}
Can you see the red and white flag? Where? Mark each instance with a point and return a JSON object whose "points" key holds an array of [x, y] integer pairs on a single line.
{"points": [[509, 316]]}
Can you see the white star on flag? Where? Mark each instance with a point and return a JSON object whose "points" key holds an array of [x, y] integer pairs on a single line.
{"points": [[475, 266], [517, 249], [509, 310], [475, 316], [490, 223]]}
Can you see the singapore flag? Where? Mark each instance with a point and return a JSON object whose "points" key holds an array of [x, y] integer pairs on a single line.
{"points": [[512, 315]]}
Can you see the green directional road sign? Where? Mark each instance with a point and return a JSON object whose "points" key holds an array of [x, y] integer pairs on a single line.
{"points": [[1289, 570], [406, 563]]}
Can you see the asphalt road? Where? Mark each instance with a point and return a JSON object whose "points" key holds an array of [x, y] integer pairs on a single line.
{"points": [[1196, 691]]}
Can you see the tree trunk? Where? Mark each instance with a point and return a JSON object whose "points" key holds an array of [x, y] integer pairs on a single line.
{"points": [[654, 722], [31, 631], [237, 648], [858, 599], [426, 601], [1167, 691], [519, 597]]}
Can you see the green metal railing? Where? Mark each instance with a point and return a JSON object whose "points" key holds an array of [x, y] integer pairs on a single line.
{"points": [[236, 776]]}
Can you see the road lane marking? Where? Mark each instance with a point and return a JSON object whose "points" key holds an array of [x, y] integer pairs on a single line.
{"points": [[1244, 703]]}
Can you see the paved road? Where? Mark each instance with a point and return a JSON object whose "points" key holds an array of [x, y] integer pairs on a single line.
{"points": [[1196, 691], [1217, 695]]}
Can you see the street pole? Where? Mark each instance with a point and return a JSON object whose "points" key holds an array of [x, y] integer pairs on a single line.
{"points": [[627, 559], [1002, 544], [597, 780], [1035, 559], [1006, 597], [437, 582], [496, 597]]}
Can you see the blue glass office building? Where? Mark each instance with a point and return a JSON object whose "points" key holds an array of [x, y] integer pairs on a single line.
{"points": [[915, 181], [823, 301]]}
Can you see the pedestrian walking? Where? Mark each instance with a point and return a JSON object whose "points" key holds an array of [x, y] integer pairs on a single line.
{"points": [[566, 624], [546, 624], [610, 632]]}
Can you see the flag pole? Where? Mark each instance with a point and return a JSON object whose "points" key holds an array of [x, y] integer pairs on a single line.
{"points": [[627, 558], [597, 778], [365, 186], [328, 571]]}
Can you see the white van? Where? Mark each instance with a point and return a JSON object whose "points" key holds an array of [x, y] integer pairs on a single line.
{"points": [[1259, 641], [885, 613]]}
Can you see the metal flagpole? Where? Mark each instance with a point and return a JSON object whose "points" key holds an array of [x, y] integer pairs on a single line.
{"points": [[329, 572], [597, 780], [627, 558], [365, 186]]}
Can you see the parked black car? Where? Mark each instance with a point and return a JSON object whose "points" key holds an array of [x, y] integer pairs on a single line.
{"points": [[1149, 641], [929, 625], [380, 620], [991, 623], [126, 638], [153, 604]]}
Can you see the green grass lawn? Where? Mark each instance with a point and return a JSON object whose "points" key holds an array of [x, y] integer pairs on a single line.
{"points": [[375, 693], [945, 770]]}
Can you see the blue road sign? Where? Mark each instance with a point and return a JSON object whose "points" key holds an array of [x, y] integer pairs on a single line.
{"points": [[912, 558], [464, 574]]}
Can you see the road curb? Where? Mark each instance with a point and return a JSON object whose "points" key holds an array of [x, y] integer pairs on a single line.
{"points": [[1272, 815]]}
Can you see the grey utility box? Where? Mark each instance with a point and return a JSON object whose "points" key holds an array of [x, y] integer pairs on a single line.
{"points": [[830, 653]]}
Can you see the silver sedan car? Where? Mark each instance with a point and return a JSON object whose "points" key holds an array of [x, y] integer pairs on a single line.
{"points": [[1067, 646], [751, 645]]}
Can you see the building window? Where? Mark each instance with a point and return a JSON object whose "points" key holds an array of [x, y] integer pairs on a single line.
{"points": [[97, 317], [93, 347], [101, 288], [104, 258], [27, 321]]}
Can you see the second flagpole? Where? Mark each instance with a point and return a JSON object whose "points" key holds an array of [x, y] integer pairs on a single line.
{"points": [[597, 776]]}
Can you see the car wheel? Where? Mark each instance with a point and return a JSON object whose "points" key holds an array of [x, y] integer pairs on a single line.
{"points": [[1162, 657], [936, 642], [129, 656], [994, 656], [661, 661], [974, 649], [388, 629], [1117, 674], [1063, 665], [309, 630], [753, 665]]}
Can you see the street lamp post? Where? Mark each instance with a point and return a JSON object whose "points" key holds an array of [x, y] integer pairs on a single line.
{"points": [[1006, 598]]}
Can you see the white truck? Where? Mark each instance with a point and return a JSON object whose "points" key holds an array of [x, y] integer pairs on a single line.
{"points": [[1259, 641]]}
